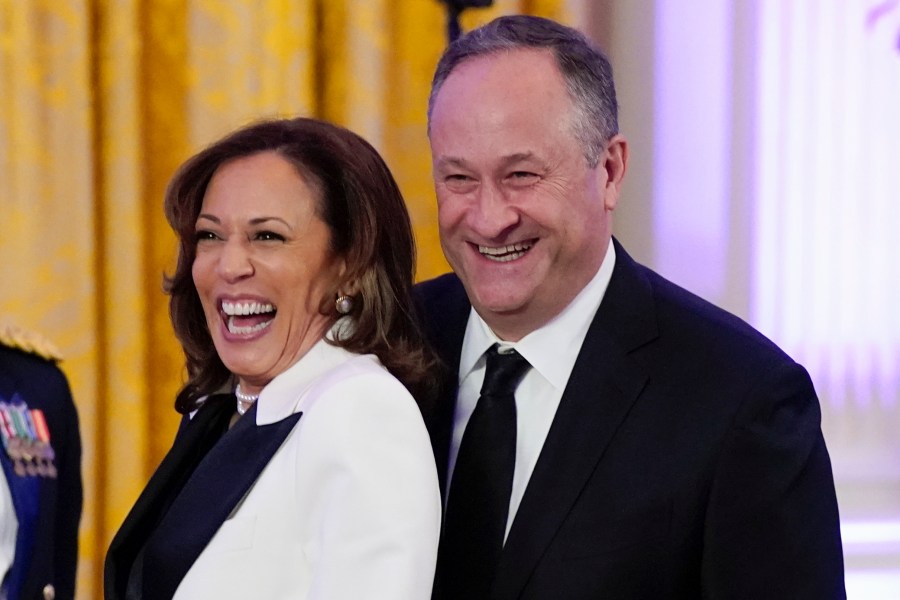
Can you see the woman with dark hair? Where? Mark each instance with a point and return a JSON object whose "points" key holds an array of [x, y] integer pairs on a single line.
{"points": [[302, 468]]}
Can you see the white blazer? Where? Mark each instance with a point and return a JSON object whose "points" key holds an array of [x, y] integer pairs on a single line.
{"points": [[347, 508]]}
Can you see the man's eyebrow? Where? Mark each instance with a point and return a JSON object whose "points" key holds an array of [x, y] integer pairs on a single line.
{"points": [[455, 161], [452, 161], [518, 157]]}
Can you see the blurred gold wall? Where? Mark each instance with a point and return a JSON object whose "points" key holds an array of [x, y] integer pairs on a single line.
{"points": [[100, 101]]}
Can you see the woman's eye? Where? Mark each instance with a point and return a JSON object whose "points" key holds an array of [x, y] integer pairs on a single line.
{"points": [[204, 234], [269, 236]]}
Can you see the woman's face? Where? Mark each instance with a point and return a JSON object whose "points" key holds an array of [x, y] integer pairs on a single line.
{"points": [[263, 266]]}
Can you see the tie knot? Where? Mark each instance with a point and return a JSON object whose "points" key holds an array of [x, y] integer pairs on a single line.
{"points": [[503, 372]]}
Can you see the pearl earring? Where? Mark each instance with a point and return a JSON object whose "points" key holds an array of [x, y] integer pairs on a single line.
{"points": [[343, 304]]}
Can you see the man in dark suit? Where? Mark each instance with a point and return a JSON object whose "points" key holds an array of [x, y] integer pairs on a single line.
{"points": [[662, 448], [41, 491]]}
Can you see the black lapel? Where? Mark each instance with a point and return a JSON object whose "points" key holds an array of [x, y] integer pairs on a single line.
{"points": [[603, 385], [216, 487], [445, 309], [193, 441]]}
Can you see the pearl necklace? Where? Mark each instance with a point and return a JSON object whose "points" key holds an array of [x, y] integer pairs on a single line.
{"points": [[244, 401]]}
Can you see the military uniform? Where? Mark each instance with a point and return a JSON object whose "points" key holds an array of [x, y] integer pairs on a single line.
{"points": [[41, 461]]}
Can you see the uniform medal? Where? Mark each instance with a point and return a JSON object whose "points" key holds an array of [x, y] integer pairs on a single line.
{"points": [[43, 435], [11, 442]]}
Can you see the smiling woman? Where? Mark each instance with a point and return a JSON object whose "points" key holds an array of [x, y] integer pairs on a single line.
{"points": [[261, 245], [301, 438]]}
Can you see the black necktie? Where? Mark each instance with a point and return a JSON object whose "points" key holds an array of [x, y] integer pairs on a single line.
{"points": [[478, 502]]}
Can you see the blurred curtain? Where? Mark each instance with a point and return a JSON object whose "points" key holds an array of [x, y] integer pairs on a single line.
{"points": [[100, 101]]}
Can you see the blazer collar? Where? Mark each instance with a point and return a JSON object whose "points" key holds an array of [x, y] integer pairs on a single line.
{"points": [[285, 394], [604, 384]]}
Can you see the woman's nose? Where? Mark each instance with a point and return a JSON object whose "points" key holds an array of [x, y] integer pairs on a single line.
{"points": [[235, 262]]}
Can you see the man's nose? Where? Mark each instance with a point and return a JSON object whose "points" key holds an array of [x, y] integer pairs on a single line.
{"points": [[493, 214]]}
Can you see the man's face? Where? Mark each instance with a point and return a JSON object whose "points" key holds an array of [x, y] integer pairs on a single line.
{"points": [[524, 221]]}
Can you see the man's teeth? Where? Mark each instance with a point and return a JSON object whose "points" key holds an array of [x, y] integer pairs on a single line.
{"points": [[505, 253], [246, 308], [232, 328]]}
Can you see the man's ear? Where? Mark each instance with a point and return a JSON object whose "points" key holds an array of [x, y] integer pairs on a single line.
{"points": [[614, 163]]}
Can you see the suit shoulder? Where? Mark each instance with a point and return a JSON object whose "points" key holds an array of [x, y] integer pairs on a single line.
{"points": [[695, 316], [28, 342], [438, 286], [442, 304], [440, 293]]}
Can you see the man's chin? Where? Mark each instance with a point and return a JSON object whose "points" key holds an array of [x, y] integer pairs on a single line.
{"points": [[505, 308], [496, 301]]}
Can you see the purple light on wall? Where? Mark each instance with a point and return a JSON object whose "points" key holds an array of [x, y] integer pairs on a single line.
{"points": [[827, 281], [882, 12], [691, 154]]}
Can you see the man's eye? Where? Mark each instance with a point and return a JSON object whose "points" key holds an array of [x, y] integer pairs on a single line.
{"points": [[269, 236], [459, 183], [521, 179]]}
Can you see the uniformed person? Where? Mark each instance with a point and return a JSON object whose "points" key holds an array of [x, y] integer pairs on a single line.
{"points": [[41, 489]]}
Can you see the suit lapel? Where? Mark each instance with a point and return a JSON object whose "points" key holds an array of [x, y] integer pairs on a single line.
{"points": [[218, 484], [194, 439], [603, 386], [447, 314]]}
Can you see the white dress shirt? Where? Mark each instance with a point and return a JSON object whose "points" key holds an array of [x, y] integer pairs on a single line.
{"points": [[551, 351], [349, 507]]}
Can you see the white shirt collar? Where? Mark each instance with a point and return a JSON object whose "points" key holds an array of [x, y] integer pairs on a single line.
{"points": [[552, 349]]}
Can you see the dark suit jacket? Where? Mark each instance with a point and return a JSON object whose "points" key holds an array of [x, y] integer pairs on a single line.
{"points": [[48, 509], [686, 458]]}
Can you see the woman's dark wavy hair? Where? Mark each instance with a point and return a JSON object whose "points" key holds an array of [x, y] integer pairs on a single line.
{"points": [[370, 228]]}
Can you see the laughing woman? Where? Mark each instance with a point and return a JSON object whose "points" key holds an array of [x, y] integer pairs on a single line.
{"points": [[302, 468]]}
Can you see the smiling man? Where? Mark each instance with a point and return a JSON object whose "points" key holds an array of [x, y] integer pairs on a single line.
{"points": [[603, 433]]}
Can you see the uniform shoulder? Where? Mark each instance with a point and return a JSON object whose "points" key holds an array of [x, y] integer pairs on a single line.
{"points": [[29, 342]]}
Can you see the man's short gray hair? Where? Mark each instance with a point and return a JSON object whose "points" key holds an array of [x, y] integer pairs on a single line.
{"points": [[585, 69]]}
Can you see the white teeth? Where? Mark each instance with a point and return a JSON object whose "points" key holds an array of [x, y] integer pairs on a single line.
{"points": [[246, 308], [505, 253], [232, 328]]}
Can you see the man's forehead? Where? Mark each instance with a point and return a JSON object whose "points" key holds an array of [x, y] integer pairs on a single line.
{"points": [[505, 69]]}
